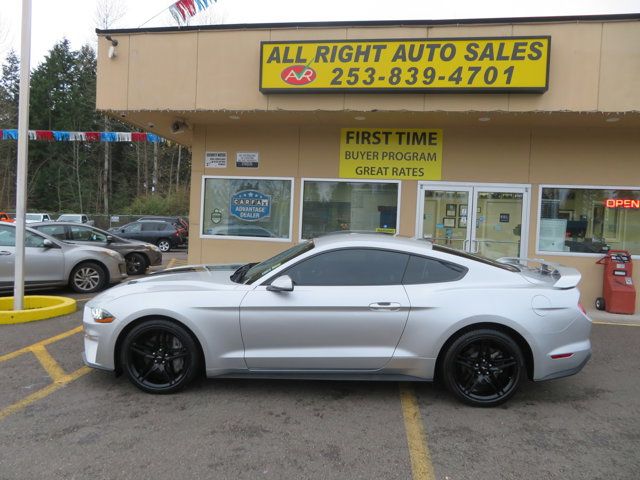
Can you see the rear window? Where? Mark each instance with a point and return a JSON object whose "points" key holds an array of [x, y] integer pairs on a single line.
{"points": [[475, 258], [422, 270]]}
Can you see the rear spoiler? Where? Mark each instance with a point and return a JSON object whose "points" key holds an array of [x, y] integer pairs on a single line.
{"points": [[565, 277]]}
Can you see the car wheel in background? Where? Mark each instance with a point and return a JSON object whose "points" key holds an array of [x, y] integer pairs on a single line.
{"points": [[136, 264], [87, 277], [164, 245], [483, 368], [159, 356], [600, 305]]}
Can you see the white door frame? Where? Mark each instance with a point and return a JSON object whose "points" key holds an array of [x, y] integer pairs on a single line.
{"points": [[474, 187]]}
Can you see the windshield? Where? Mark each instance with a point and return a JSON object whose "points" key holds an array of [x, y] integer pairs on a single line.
{"points": [[255, 272]]}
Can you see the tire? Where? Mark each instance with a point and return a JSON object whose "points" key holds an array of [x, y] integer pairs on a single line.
{"points": [[600, 305], [483, 368], [159, 356], [164, 244], [137, 264], [88, 277]]}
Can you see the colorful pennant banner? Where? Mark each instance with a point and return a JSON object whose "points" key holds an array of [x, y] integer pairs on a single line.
{"points": [[58, 136], [184, 9]]}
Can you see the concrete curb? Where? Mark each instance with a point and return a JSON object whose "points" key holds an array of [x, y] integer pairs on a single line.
{"points": [[37, 307]]}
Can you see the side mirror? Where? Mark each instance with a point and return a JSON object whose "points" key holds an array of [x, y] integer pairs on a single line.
{"points": [[281, 284], [46, 243], [110, 239]]}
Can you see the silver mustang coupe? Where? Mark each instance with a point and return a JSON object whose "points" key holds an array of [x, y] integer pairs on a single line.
{"points": [[347, 306]]}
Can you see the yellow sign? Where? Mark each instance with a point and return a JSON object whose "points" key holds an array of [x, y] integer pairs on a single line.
{"points": [[391, 153], [496, 64]]}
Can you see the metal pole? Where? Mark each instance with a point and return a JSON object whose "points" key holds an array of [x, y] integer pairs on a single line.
{"points": [[23, 154]]}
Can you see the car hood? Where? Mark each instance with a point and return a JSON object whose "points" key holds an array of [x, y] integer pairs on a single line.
{"points": [[179, 279]]}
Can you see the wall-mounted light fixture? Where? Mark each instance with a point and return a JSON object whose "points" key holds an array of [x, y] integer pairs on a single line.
{"points": [[112, 49]]}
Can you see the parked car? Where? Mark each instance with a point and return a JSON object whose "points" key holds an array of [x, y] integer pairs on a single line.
{"points": [[347, 306], [38, 217], [138, 255], [52, 263], [75, 217], [4, 217], [163, 234], [181, 223]]}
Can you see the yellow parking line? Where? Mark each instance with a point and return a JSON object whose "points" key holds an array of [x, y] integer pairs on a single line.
{"points": [[421, 466], [52, 367], [44, 342], [618, 324], [43, 392]]}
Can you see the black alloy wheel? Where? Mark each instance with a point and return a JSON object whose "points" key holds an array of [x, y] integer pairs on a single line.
{"points": [[159, 356], [88, 277], [483, 368], [136, 263]]}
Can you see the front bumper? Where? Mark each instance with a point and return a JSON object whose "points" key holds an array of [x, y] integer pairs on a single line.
{"points": [[99, 343]]}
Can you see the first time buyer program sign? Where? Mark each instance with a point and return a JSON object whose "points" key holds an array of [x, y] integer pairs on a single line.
{"points": [[490, 64], [391, 153]]}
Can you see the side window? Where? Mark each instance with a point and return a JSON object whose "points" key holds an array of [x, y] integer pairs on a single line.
{"points": [[56, 231], [7, 236], [151, 226], [431, 270], [33, 240], [351, 267], [84, 219], [87, 235], [133, 228]]}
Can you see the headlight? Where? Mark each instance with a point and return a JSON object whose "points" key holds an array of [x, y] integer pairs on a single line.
{"points": [[152, 247], [113, 253], [100, 315]]}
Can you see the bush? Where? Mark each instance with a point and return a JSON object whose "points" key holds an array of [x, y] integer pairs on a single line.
{"points": [[172, 204]]}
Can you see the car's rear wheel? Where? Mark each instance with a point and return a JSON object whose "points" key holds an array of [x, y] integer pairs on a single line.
{"points": [[164, 245], [483, 368], [159, 356], [136, 264], [88, 277]]}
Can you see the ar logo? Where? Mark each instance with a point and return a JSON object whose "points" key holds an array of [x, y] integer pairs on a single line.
{"points": [[298, 75]]}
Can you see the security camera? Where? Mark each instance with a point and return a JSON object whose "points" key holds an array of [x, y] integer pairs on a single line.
{"points": [[178, 126]]}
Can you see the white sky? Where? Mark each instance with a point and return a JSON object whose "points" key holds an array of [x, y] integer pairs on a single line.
{"points": [[75, 19]]}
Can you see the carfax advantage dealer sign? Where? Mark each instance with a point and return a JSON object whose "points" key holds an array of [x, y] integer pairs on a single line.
{"points": [[495, 64]]}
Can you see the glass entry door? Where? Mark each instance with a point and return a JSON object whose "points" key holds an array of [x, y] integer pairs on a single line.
{"points": [[490, 220]]}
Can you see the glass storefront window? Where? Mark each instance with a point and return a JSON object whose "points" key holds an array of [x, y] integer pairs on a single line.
{"points": [[331, 206], [589, 220], [247, 207]]}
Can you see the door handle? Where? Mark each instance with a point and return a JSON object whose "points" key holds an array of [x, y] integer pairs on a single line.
{"points": [[4, 252], [384, 306]]}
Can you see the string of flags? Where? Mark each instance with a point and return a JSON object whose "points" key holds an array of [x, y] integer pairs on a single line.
{"points": [[184, 9], [62, 136]]}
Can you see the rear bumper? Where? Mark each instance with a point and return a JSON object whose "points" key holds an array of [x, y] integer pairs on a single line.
{"points": [[569, 371]]}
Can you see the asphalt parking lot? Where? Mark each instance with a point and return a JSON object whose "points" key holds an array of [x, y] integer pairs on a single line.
{"points": [[60, 420]]}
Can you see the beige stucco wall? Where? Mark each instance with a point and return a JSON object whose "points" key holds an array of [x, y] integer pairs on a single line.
{"points": [[566, 156], [593, 67]]}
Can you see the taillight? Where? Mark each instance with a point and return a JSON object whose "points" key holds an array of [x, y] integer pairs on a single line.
{"points": [[582, 308]]}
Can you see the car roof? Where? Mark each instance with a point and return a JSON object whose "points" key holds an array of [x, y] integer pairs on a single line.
{"points": [[378, 240]]}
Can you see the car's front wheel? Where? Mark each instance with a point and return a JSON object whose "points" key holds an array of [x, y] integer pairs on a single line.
{"points": [[164, 245], [88, 277], [159, 356], [483, 368], [136, 264]]}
